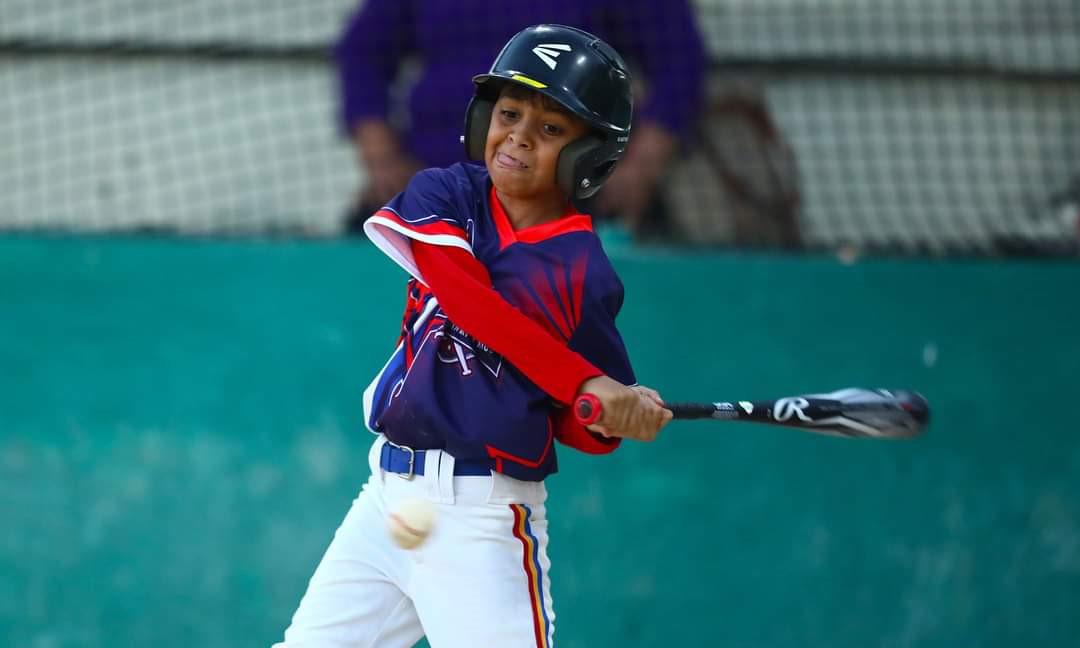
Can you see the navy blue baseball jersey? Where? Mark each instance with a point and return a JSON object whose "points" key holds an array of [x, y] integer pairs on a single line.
{"points": [[441, 388]]}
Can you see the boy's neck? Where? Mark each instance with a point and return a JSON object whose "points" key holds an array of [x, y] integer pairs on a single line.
{"points": [[527, 212]]}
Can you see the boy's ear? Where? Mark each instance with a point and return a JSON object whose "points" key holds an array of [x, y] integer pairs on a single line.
{"points": [[477, 121]]}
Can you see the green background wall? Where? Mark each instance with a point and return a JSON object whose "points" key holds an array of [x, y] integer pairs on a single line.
{"points": [[180, 436]]}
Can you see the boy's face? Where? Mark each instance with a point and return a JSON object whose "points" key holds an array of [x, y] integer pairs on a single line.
{"points": [[523, 145]]}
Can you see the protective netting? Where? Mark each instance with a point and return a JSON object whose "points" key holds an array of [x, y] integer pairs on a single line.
{"points": [[922, 126]]}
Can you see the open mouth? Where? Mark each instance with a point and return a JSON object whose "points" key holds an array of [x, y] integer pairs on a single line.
{"points": [[509, 161]]}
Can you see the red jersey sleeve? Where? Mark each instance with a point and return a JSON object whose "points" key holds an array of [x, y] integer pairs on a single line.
{"points": [[463, 287], [571, 433]]}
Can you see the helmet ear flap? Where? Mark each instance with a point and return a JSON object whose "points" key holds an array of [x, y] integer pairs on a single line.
{"points": [[569, 170], [477, 121], [583, 167]]}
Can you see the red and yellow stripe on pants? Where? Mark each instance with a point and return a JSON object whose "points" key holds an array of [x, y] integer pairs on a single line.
{"points": [[531, 562]]}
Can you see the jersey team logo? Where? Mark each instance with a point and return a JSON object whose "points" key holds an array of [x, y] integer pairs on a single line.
{"points": [[458, 347], [548, 52]]}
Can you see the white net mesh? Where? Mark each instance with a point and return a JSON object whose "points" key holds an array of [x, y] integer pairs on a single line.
{"points": [[916, 126]]}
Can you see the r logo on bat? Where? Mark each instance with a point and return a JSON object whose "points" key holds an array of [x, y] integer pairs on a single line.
{"points": [[785, 408]]}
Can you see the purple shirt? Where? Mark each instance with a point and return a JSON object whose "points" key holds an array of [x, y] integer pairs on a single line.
{"points": [[457, 39], [443, 389]]}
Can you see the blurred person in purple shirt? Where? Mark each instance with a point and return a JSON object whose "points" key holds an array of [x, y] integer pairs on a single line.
{"points": [[450, 39]]}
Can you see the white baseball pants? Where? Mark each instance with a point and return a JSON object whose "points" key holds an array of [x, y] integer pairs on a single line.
{"points": [[480, 579]]}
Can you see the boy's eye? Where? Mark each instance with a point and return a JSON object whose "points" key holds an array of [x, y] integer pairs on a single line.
{"points": [[509, 114], [552, 129]]}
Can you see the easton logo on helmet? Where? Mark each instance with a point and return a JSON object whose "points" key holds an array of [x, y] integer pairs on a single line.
{"points": [[548, 52]]}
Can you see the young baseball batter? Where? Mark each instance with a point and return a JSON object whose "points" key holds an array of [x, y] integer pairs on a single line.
{"points": [[510, 315]]}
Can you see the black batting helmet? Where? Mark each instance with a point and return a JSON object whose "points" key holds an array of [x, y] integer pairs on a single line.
{"points": [[579, 71]]}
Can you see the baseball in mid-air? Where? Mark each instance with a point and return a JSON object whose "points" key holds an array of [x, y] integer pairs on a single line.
{"points": [[410, 522]]}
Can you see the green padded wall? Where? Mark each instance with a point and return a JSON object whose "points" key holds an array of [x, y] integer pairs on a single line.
{"points": [[180, 435]]}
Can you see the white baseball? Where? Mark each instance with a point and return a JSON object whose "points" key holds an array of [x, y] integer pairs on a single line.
{"points": [[410, 522]]}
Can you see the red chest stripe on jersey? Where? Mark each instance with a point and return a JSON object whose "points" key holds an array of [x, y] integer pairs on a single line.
{"points": [[549, 306], [576, 280], [561, 287], [518, 293], [557, 290], [568, 281], [570, 221]]}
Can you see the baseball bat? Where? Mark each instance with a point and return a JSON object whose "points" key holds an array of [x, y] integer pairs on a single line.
{"points": [[851, 412]]}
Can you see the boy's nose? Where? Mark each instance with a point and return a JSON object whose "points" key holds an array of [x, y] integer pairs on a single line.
{"points": [[519, 136], [519, 140]]}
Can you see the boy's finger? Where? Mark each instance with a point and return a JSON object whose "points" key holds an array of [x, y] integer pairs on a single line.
{"points": [[599, 429], [651, 393]]}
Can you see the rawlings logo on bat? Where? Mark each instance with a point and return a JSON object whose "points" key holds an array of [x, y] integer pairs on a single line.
{"points": [[785, 408]]}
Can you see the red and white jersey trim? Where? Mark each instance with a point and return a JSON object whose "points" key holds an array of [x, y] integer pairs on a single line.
{"points": [[392, 233]]}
